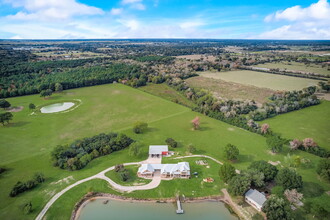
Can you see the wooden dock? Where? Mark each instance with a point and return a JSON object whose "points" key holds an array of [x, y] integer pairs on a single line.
{"points": [[179, 210]]}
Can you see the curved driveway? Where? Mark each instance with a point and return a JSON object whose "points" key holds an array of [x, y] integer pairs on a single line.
{"points": [[153, 184]]}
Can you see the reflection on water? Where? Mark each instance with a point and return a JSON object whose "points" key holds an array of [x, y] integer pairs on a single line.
{"points": [[125, 210]]}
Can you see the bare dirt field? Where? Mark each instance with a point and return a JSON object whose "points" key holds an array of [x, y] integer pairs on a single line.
{"points": [[231, 90], [262, 80]]}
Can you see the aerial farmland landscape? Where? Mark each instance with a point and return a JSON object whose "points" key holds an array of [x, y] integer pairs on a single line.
{"points": [[127, 110]]}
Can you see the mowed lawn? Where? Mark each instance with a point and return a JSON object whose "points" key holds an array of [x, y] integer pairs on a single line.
{"points": [[104, 109], [26, 144], [295, 66], [262, 80], [311, 122]]}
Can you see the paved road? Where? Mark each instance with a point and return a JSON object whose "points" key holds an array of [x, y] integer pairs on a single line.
{"points": [[217, 161], [153, 184]]}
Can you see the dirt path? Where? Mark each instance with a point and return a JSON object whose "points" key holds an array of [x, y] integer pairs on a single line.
{"points": [[205, 156], [243, 214], [101, 175]]}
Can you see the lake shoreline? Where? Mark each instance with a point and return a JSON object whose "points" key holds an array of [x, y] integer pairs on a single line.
{"points": [[93, 196]]}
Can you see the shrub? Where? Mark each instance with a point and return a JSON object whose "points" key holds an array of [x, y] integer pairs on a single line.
{"points": [[231, 152], [140, 127], [124, 175], [119, 167], [323, 169], [171, 142]]}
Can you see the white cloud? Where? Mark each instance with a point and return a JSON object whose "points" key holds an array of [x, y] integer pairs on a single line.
{"points": [[51, 9], [191, 24], [135, 4], [116, 11], [312, 22], [316, 11]]}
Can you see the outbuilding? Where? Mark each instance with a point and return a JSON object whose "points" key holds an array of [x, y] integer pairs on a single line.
{"points": [[255, 198], [158, 150]]}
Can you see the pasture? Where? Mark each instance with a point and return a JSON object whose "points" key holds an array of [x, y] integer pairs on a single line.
{"points": [[230, 90], [295, 66], [26, 143], [309, 122], [262, 80]]}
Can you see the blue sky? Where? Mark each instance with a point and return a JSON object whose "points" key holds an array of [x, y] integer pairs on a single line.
{"points": [[221, 19]]}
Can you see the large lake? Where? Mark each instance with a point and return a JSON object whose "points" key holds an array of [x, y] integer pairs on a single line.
{"points": [[125, 210]]}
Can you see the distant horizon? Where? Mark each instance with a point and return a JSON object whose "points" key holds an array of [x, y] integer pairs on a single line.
{"points": [[170, 19], [104, 39]]}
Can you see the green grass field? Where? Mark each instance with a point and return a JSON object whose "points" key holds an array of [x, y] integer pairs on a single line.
{"points": [[26, 143], [309, 122], [168, 93], [312, 68], [133, 180], [262, 80]]}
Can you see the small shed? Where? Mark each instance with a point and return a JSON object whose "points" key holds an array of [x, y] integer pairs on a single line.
{"points": [[255, 198]]}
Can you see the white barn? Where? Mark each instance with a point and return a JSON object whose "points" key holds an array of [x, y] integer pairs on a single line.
{"points": [[255, 199], [158, 150]]}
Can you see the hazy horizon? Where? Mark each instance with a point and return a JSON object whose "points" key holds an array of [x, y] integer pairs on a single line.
{"points": [[165, 19]]}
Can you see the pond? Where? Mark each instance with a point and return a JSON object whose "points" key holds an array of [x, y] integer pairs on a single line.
{"points": [[126, 210], [57, 107]]}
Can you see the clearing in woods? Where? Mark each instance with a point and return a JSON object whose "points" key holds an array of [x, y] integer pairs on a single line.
{"points": [[230, 90], [262, 80]]}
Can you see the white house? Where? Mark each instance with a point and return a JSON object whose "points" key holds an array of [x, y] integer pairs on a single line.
{"points": [[179, 170], [255, 199], [158, 150]]}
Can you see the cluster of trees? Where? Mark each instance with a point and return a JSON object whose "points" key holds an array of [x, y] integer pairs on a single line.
{"points": [[310, 146], [323, 169], [154, 59], [46, 93], [4, 104], [78, 154], [278, 71], [23, 67], [140, 127], [171, 142], [275, 143], [256, 176], [283, 102], [32, 83], [5, 118], [21, 187], [325, 86], [277, 208], [231, 112], [27, 208], [123, 173]]}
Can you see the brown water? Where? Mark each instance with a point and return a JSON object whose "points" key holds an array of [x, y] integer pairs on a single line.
{"points": [[125, 210]]}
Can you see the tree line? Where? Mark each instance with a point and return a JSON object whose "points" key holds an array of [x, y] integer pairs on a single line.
{"points": [[78, 154], [21, 187], [26, 84]]}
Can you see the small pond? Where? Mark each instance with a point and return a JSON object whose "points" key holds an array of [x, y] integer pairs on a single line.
{"points": [[125, 210], [57, 107]]}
